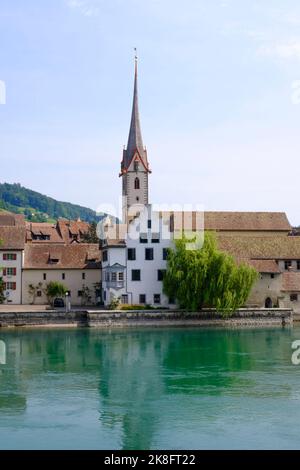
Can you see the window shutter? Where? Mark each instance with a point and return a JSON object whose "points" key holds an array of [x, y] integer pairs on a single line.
{"points": [[4, 272], [14, 271], [14, 286], [5, 256]]}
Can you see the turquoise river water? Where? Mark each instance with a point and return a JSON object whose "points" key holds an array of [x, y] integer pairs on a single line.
{"points": [[149, 389]]}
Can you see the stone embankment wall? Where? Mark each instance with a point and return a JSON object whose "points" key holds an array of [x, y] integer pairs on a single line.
{"points": [[153, 318], [243, 317]]}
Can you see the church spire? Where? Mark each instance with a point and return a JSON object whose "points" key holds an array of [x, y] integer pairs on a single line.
{"points": [[135, 140]]}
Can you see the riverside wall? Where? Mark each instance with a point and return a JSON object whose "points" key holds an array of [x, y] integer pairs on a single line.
{"points": [[146, 318]]}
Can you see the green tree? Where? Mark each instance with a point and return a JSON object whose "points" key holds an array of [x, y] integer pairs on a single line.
{"points": [[207, 277], [91, 235], [55, 289]]}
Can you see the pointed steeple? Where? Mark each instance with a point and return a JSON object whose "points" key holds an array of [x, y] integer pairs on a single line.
{"points": [[135, 140]]}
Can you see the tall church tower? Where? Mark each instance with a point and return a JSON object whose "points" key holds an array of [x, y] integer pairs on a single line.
{"points": [[134, 166]]}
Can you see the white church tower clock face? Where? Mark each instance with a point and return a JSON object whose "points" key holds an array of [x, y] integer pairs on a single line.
{"points": [[134, 166]]}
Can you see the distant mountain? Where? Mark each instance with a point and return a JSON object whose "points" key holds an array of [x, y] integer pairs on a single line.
{"points": [[40, 208]]}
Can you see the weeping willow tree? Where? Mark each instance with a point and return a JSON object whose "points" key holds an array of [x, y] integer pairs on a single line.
{"points": [[207, 277]]}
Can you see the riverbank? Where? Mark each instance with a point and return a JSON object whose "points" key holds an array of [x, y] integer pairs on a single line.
{"points": [[145, 318]]}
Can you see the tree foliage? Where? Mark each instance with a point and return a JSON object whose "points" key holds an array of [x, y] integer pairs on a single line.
{"points": [[55, 289], [207, 277]]}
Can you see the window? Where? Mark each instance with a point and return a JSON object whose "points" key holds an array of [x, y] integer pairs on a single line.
{"points": [[155, 238], [160, 274], [156, 298], [136, 183], [272, 276], [9, 272], [44, 276], [149, 223], [136, 165], [121, 276], [10, 286], [143, 238], [114, 277], [107, 276], [294, 297], [149, 256], [63, 276], [287, 265], [104, 256], [9, 257], [83, 276], [298, 265], [104, 295], [142, 298], [165, 254], [135, 274], [131, 256], [39, 293], [79, 293]]}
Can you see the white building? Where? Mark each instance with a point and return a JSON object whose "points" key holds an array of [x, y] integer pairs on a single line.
{"points": [[12, 242]]}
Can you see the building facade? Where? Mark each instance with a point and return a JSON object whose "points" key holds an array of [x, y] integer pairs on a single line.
{"points": [[12, 245]]}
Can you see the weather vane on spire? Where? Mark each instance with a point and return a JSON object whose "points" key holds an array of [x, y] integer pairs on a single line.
{"points": [[135, 51]]}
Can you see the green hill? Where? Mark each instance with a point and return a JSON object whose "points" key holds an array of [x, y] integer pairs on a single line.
{"points": [[39, 208]]}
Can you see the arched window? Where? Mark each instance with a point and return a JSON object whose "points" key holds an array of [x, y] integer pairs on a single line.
{"points": [[136, 183]]}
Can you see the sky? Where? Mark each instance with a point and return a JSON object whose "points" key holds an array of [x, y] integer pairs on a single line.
{"points": [[219, 96]]}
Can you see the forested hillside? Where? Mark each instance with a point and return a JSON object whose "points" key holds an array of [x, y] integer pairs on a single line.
{"points": [[38, 207]]}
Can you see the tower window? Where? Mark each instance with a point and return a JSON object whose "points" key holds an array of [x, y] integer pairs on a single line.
{"points": [[136, 165], [136, 183]]}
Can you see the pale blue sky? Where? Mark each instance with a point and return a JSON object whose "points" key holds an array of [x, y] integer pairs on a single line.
{"points": [[219, 114]]}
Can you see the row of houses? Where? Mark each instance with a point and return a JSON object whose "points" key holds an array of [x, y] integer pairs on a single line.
{"points": [[131, 268], [32, 255]]}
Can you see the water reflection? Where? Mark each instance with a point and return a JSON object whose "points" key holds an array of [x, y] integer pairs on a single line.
{"points": [[2, 352], [142, 379]]}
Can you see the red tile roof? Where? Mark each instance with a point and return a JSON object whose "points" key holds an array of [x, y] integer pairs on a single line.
{"points": [[79, 256], [291, 281]]}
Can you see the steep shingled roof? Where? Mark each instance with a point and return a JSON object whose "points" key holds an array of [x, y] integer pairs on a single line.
{"points": [[79, 256], [12, 231], [281, 247], [291, 282], [234, 221]]}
